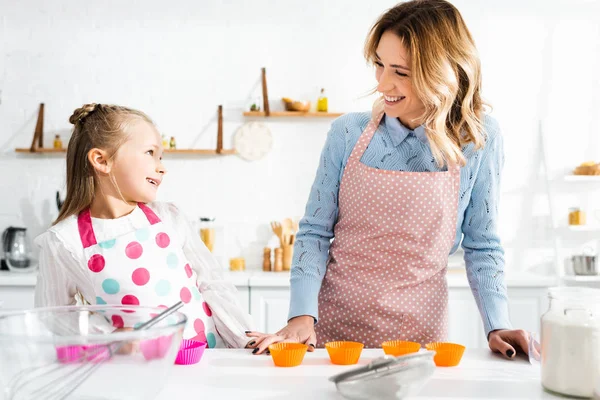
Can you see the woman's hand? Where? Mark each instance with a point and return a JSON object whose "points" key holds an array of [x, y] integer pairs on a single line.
{"points": [[509, 342], [298, 330]]}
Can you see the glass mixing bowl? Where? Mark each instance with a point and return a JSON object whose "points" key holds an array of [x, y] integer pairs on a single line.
{"points": [[86, 352]]}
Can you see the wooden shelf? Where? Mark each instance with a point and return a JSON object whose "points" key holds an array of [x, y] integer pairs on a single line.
{"points": [[41, 150], [200, 151], [175, 151], [292, 114], [582, 178], [38, 136]]}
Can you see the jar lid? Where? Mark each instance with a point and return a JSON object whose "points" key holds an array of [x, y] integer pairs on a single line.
{"points": [[575, 294]]}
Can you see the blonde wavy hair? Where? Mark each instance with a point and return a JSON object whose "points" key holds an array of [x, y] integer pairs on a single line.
{"points": [[101, 126], [445, 73]]}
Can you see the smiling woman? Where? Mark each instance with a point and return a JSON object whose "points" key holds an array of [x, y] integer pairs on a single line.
{"points": [[404, 184]]}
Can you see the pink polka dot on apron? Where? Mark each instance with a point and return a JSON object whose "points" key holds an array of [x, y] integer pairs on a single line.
{"points": [[201, 337], [186, 295], [117, 321], [199, 326], [130, 300], [134, 250], [96, 263], [162, 240], [188, 270], [140, 276], [206, 309]]}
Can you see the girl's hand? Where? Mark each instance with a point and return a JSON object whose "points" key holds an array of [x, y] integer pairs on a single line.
{"points": [[298, 330], [127, 347], [509, 342]]}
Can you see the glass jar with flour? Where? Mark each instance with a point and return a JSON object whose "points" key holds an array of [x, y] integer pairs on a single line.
{"points": [[571, 341]]}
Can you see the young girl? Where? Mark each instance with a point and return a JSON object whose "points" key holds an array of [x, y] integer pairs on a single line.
{"points": [[111, 244]]}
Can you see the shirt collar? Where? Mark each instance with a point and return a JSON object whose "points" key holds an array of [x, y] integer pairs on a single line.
{"points": [[399, 132]]}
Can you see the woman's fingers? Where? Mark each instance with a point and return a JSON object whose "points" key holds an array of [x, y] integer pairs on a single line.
{"points": [[311, 341], [264, 344]]}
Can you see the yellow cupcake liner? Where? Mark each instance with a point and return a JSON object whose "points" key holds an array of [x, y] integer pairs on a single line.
{"points": [[287, 354], [447, 354], [400, 347], [344, 353]]}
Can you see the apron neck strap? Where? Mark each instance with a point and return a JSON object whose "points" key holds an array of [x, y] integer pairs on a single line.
{"points": [[86, 231], [365, 139]]}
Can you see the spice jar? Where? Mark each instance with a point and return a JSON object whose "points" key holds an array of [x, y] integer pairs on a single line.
{"points": [[267, 259], [207, 232], [571, 341], [237, 264], [278, 265], [576, 216]]}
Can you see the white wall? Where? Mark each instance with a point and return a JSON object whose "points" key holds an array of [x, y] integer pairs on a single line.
{"points": [[178, 60]]}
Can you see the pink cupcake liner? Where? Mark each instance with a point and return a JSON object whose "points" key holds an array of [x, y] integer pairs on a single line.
{"points": [[81, 353], [190, 352], [156, 348]]}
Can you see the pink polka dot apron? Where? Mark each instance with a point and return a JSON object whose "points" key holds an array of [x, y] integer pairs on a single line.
{"points": [[146, 267], [386, 272]]}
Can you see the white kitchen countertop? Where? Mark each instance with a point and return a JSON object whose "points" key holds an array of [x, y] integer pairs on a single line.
{"points": [[237, 374], [456, 278]]}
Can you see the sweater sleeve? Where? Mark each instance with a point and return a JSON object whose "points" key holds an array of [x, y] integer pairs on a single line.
{"points": [[311, 249]]}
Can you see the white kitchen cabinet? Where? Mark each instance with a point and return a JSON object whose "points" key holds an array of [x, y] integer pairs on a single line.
{"points": [[269, 307], [526, 306], [464, 323], [16, 297]]}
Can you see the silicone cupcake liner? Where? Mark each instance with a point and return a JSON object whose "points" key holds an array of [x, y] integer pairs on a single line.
{"points": [[447, 354], [400, 347], [287, 354], [190, 352], [156, 348], [344, 353], [81, 353]]}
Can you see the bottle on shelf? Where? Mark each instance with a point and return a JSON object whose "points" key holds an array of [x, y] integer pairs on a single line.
{"points": [[58, 142], [172, 143], [165, 142], [322, 102]]}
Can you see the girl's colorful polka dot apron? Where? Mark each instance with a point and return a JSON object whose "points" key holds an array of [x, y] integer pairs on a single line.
{"points": [[147, 267], [386, 273]]}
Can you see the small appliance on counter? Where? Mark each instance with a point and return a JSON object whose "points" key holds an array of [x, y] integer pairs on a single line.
{"points": [[17, 250]]}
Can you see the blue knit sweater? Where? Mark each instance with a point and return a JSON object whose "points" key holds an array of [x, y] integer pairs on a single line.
{"points": [[395, 147]]}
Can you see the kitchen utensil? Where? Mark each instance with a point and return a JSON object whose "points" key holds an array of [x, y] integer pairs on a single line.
{"points": [[585, 265], [278, 231], [278, 264], [446, 354], [253, 141], [344, 353], [288, 226], [288, 254], [17, 249], [399, 347], [287, 354], [387, 377], [31, 342]]}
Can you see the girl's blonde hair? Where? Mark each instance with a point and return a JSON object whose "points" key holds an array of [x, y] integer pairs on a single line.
{"points": [[445, 72], [101, 126]]}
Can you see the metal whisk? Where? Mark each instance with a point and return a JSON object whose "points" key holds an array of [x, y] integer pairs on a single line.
{"points": [[61, 384]]}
